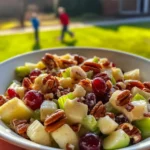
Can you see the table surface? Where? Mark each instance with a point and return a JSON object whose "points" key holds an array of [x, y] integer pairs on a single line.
{"points": [[6, 146]]}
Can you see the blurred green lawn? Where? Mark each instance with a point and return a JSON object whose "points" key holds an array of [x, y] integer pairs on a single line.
{"points": [[130, 38]]}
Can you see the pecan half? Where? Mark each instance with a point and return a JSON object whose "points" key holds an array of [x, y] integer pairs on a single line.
{"points": [[147, 114], [76, 127], [50, 83], [88, 66], [146, 90], [106, 64], [55, 121], [26, 83], [103, 75], [49, 61], [70, 146], [121, 85], [20, 126], [86, 84], [129, 107], [132, 131], [123, 98], [109, 84], [133, 83], [63, 63], [79, 59], [98, 110]]}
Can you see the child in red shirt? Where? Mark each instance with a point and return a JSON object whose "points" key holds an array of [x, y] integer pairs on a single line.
{"points": [[64, 19]]}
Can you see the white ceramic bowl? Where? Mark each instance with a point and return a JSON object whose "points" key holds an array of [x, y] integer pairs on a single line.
{"points": [[123, 60]]}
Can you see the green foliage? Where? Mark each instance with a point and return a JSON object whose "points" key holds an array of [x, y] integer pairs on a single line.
{"points": [[79, 7]]}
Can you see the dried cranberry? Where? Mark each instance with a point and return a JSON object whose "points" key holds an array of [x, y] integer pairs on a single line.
{"points": [[99, 86], [90, 100], [12, 93], [121, 118], [33, 99]]}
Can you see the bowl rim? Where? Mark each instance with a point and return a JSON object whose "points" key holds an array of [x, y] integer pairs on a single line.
{"points": [[33, 145]]}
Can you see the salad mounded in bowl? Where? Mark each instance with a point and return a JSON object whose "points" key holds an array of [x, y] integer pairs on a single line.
{"points": [[71, 102]]}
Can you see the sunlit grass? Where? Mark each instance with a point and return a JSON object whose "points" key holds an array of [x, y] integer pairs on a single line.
{"points": [[126, 38]]}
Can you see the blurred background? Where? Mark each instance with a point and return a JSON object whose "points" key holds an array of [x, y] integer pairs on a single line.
{"points": [[115, 24]]}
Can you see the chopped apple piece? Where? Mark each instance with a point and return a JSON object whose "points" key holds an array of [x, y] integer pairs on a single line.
{"points": [[47, 108], [64, 135], [36, 132], [132, 75], [117, 74], [107, 125], [14, 109], [117, 139], [79, 91], [75, 111]]}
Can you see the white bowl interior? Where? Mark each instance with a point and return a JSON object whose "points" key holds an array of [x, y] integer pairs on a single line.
{"points": [[123, 60]]}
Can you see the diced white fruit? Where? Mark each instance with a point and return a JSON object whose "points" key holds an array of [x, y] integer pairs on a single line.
{"points": [[36, 132], [137, 113], [107, 125], [79, 91], [117, 139], [31, 66], [20, 91], [113, 100], [66, 82], [77, 73], [47, 108], [136, 90], [14, 109], [117, 73], [132, 75], [75, 111], [64, 135]]}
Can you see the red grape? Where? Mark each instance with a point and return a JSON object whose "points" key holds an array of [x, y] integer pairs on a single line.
{"points": [[35, 72], [90, 141], [12, 93], [99, 86], [90, 100], [33, 99]]}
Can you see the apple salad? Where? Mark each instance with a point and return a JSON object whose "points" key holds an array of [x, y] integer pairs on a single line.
{"points": [[74, 103]]}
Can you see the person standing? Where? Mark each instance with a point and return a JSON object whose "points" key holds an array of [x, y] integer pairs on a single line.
{"points": [[64, 19], [35, 23]]}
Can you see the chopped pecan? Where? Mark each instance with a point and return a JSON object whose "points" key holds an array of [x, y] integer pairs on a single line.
{"points": [[123, 98], [76, 127], [147, 114], [91, 66], [146, 90], [109, 84], [132, 131], [63, 63], [55, 121], [98, 110], [147, 85], [106, 64], [70, 146], [133, 83], [79, 59], [129, 107], [121, 85], [20, 126], [86, 84], [51, 83], [3, 100], [26, 83], [111, 115], [49, 61]]}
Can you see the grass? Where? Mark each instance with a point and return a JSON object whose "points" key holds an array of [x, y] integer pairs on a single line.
{"points": [[130, 38]]}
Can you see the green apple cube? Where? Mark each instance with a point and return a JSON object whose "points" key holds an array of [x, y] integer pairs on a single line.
{"points": [[90, 123], [117, 74], [62, 100], [107, 125], [75, 111], [138, 97], [66, 73], [136, 90], [113, 80], [47, 108], [117, 139], [144, 126], [36, 114], [95, 59], [14, 109], [22, 71], [132, 75]]}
